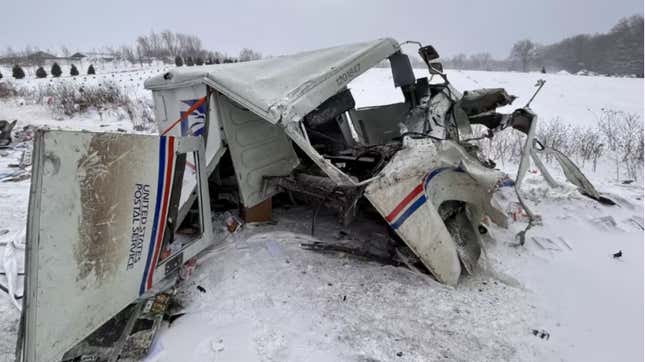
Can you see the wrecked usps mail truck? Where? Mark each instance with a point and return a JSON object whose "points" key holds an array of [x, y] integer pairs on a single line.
{"points": [[114, 217], [290, 123]]}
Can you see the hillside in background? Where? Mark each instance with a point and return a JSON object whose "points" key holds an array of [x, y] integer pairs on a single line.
{"points": [[617, 52], [620, 51]]}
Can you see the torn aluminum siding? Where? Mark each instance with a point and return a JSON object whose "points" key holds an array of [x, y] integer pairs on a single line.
{"points": [[412, 189], [97, 224], [285, 88]]}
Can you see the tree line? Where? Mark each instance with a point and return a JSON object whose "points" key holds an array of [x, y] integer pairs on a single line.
{"points": [[167, 46], [179, 48], [617, 52], [18, 73]]}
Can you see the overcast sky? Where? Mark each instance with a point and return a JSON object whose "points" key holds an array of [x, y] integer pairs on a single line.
{"points": [[285, 26]]}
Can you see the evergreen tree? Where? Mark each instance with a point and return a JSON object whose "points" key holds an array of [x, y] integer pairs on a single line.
{"points": [[0, 75], [199, 61], [189, 62], [56, 71], [90, 70], [18, 73], [41, 73], [178, 61], [73, 71]]}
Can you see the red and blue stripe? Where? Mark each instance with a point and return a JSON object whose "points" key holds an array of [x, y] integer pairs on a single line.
{"points": [[164, 181], [415, 199]]}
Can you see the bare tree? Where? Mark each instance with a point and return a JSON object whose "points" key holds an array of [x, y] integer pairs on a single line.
{"points": [[65, 51], [480, 61], [523, 51], [143, 47], [170, 42], [126, 53], [623, 134], [247, 54], [9, 52], [459, 61]]}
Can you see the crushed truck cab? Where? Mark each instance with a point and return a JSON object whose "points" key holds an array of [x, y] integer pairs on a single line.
{"points": [[290, 123]]}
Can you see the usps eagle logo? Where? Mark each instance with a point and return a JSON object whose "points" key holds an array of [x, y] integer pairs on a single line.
{"points": [[193, 123]]}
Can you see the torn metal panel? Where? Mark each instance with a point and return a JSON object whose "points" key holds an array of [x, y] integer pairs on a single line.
{"points": [[5, 132], [484, 100], [530, 125], [464, 231], [380, 124], [331, 108], [258, 149], [413, 186], [97, 224], [570, 170], [324, 191], [295, 132]]}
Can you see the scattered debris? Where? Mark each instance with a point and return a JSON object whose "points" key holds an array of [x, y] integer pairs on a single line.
{"points": [[233, 223], [605, 223], [618, 254], [550, 244], [139, 341], [637, 222], [201, 289], [128, 336], [15, 176], [187, 269], [353, 251], [218, 346], [26, 134], [565, 243], [25, 159], [5, 132], [6, 290], [542, 334]]}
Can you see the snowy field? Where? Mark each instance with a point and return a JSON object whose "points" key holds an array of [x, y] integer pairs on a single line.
{"points": [[266, 299]]}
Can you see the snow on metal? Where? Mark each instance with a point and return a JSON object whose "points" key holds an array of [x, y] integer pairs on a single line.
{"points": [[284, 88], [413, 186], [185, 112], [98, 212]]}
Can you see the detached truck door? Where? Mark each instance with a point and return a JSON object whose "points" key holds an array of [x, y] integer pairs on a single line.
{"points": [[98, 217]]}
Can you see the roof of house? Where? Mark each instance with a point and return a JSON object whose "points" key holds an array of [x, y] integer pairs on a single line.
{"points": [[42, 55]]}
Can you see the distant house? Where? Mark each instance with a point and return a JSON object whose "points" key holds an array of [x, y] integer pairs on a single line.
{"points": [[105, 57], [40, 57], [78, 56]]}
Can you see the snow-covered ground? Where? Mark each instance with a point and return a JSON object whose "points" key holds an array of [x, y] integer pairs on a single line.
{"points": [[267, 299], [573, 99]]}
